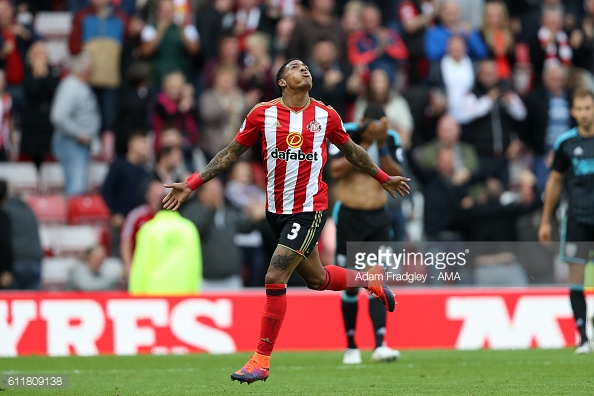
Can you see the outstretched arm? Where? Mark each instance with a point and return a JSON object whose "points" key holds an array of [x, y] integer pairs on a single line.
{"points": [[220, 163], [357, 156]]}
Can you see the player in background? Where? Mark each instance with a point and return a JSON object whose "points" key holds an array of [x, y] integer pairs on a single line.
{"points": [[574, 162], [292, 131], [360, 214]]}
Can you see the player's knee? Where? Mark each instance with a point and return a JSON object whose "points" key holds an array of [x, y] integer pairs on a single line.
{"points": [[315, 282], [273, 278]]}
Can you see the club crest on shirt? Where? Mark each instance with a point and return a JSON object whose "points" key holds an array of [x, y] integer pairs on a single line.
{"points": [[314, 126]]}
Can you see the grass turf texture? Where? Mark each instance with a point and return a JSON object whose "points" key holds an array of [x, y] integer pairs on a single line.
{"points": [[484, 372]]}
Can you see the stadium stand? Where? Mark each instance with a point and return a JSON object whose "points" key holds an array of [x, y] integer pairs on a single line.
{"points": [[97, 173], [22, 176], [54, 270], [49, 209], [88, 209], [51, 177]]}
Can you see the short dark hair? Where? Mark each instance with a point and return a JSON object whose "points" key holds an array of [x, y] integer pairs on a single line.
{"points": [[281, 72], [374, 111], [3, 190], [582, 93], [164, 151], [139, 132]]}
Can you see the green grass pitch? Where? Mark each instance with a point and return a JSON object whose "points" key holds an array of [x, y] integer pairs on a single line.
{"points": [[436, 372]]}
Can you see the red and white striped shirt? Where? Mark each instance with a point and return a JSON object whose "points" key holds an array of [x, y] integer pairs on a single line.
{"points": [[294, 152], [133, 221]]}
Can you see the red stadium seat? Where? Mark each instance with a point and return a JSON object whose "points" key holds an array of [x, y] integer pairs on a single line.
{"points": [[88, 209], [49, 209]]}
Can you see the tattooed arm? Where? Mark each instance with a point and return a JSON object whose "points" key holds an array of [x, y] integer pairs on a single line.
{"points": [[219, 164], [357, 156], [223, 160]]}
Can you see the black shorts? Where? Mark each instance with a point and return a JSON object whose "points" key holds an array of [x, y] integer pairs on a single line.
{"points": [[358, 225], [299, 232], [577, 240]]}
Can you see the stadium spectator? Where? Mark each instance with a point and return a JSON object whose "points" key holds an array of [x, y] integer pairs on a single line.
{"points": [[167, 259], [136, 219], [442, 217], [243, 194], [488, 220], [351, 17], [319, 23], [250, 17], [228, 55], [427, 105], [454, 74], [582, 39], [7, 130], [375, 46], [26, 245], [214, 22], [493, 112], [380, 91], [133, 105], [471, 11], [448, 135], [175, 108], [334, 82], [281, 39], [123, 187], [218, 224], [222, 109], [169, 159], [573, 154], [169, 43], [416, 17], [89, 274], [551, 46], [361, 214], [6, 250], [450, 24], [498, 37], [548, 116], [76, 119], [257, 73], [17, 38], [100, 30], [39, 86]]}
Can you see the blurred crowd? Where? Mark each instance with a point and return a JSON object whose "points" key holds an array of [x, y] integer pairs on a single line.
{"points": [[478, 91]]}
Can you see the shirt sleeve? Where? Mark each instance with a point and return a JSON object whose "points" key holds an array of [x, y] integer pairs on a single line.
{"points": [[395, 146], [335, 131], [250, 131], [560, 161]]}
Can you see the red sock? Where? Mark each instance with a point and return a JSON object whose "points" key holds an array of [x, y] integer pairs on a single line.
{"points": [[338, 278], [272, 317]]}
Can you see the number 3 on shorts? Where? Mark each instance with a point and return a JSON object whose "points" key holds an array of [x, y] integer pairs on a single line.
{"points": [[294, 231]]}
